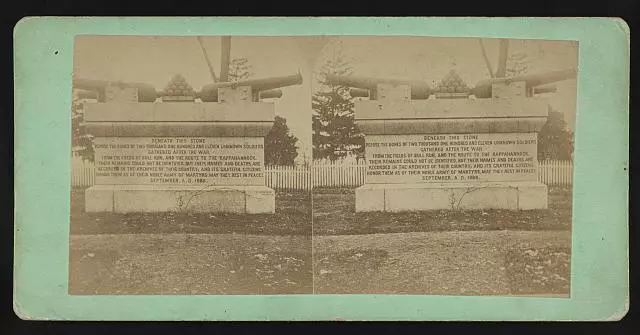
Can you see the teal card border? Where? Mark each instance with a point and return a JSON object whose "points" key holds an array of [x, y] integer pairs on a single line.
{"points": [[43, 62]]}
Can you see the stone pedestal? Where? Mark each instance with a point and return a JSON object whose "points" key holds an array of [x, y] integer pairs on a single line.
{"points": [[179, 157], [451, 196], [193, 199], [451, 154]]}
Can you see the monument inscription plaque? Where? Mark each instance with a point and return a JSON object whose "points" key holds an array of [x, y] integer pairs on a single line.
{"points": [[483, 157], [179, 160]]}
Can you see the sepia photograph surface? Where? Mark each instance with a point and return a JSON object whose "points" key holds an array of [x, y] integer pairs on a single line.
{"points": [[450, 166], [322, 165], [189, 162]]}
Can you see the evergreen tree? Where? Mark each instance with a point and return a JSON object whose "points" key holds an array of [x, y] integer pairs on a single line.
{"points": [[517, 64], [279, 145], [239, 69], [81, 141], [333, 127], [555, 139]]}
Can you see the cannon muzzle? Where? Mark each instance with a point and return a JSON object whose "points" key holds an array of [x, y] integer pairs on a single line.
{"points": [[484, 90], [419, 89], [146, 92], [270, 94], [210, 92], [545, 89]]}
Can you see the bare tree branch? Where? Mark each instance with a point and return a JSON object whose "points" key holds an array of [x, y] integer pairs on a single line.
{"points": [[206, 58], [501, 72], [225, 58], [486, 59]]}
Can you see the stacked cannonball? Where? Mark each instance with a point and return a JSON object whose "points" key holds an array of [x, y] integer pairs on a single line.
{"points": [[178, 89], [452, 83]]}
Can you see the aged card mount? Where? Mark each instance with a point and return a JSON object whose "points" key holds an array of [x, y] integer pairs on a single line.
{"points": [[326, 171]]}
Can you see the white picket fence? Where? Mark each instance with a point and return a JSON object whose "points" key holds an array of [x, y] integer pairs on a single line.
{"points": [[288, 177], [555, 173], [338, 175], [552, 173], [82, 173]]}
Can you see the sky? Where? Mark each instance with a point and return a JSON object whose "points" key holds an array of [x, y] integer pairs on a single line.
{"points": [[155, 60]]}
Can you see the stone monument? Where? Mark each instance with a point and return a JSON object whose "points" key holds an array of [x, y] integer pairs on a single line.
{"points": [[452, 146], [181, 150]]}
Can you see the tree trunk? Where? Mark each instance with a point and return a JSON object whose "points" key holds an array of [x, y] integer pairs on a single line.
{"points": [[225, 58]]}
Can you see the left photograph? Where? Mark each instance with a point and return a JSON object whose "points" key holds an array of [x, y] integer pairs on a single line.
{"points": [[191, 165]]}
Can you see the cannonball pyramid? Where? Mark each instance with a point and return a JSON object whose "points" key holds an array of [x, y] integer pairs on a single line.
{"points": [[452, 83], [178, 87]]}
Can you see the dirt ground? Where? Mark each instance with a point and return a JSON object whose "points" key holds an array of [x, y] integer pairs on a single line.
{"points": [[189, 264], [473, 252], [444, 263], [183, 253]]}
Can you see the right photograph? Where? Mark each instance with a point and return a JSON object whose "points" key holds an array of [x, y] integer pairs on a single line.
{"points": [[443, 166]]}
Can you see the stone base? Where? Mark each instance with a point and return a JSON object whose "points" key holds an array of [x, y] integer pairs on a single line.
{"points": [[454, 196], [212, 199]]}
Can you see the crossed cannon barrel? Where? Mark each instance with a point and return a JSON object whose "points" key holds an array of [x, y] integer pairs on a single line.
{"points": [[367, 86], [146, 92], [264, 87], [539, 82]]}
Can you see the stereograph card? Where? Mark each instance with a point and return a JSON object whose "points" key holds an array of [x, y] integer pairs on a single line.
{"points": [[349, 169]]}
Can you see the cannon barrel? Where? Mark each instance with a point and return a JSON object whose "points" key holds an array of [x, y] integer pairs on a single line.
{"points": [[419, 89], [270, 94], [210, 92], [538, 79], [545, 89], [484, 90], [146, 92]]}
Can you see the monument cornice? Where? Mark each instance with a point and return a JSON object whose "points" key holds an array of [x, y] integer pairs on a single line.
{"points": [[179, 111], [452, 125], [179, 129], [451, 109]]}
